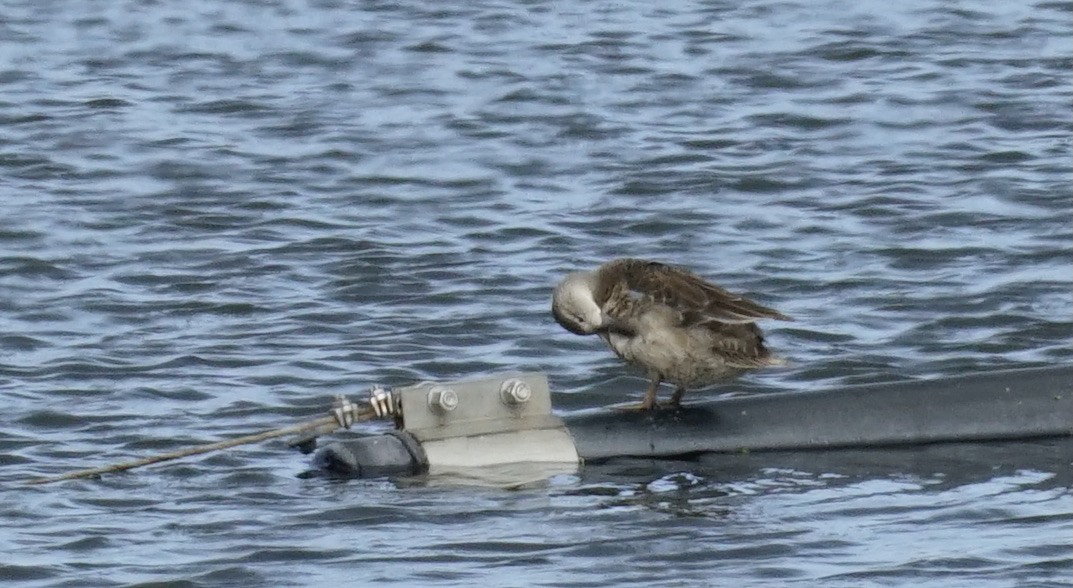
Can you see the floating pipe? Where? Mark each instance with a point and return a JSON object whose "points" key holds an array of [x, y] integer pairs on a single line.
{"points": [[990, 406], [1013, 404]]}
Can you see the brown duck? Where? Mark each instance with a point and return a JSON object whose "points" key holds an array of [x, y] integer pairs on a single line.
{"points": [[678, 327]]}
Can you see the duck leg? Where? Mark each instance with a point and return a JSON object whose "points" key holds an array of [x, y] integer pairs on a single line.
{"points": [[650, 395], [649, 402], [676, 398]]}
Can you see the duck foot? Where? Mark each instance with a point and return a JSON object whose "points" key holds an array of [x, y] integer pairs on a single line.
{"points": [[634, 407]]}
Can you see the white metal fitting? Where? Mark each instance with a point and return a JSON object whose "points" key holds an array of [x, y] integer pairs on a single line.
{"points": [[515, 391], [383, 401], [442, 398], [344, 411]]}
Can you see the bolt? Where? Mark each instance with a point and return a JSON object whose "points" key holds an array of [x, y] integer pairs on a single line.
{"points": [[515, 392], [442, 399]]}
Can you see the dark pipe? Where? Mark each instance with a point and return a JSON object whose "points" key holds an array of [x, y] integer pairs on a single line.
{"points": [[1013, 404], [391, 454], [1001, 405]]}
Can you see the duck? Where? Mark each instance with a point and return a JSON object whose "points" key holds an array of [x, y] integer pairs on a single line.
{"points": [[678, 327]]}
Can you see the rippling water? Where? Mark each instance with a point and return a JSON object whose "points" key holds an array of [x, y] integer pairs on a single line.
{"points": [[215, 215]]}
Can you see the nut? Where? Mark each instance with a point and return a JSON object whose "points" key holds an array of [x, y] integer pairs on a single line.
{"points": [[442, 399], [515, 391]]}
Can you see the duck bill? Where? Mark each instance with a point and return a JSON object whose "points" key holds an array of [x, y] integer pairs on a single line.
{"points": [[566, 323]]}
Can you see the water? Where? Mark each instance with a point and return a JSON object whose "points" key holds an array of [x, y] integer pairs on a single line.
{"points": [[216, 215]]}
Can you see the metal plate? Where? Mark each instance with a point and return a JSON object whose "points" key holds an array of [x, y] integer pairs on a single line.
{"points": [[480, 409]]}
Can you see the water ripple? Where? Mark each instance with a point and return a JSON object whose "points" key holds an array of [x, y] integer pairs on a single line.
{"points": [[215, 216]]}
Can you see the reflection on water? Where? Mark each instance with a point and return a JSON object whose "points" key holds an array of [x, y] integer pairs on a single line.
{"points": [[513, 476]]}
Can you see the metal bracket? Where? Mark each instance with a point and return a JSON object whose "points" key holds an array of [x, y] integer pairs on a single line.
{"points": [[501, 419], [509, 402]]}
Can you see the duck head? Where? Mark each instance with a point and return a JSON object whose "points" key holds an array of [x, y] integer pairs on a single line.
{"points": [[574, 307]]}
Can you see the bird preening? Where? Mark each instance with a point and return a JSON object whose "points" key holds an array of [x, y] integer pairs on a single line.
{"points": [[678, 327]]}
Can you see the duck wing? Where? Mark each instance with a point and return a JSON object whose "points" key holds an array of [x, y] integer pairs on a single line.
{"points": [[740, 345], [697, 300]]}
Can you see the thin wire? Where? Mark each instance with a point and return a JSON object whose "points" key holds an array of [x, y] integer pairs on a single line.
{"points": [[362, 415]]}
